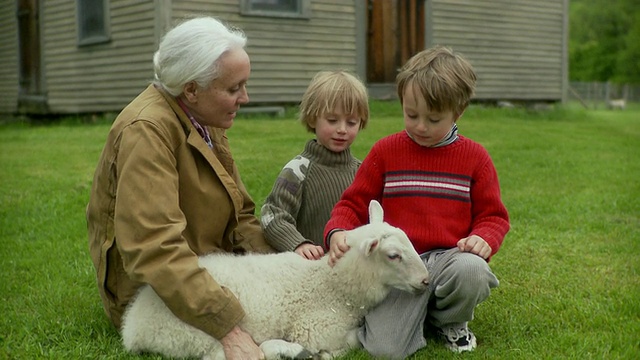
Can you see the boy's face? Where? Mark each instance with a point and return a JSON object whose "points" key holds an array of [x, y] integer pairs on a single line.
{"points": [[424, 126], [336, 130]]}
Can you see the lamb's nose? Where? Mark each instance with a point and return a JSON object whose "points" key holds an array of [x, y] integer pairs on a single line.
{"points": [[425, 282]]}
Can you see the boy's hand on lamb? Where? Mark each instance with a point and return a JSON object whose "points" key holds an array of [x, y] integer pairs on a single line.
{"points": [[310, 251], [475, 245], [337, 246], [238, 345]]}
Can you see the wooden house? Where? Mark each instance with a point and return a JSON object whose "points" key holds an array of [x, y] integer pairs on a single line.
{"points": [[91, 56]]}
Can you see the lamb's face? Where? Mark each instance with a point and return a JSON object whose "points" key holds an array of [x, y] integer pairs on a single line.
{"points": [[387, 252], [393, 257]]}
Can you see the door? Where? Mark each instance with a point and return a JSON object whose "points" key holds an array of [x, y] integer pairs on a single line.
{"points": [[395, 32]]}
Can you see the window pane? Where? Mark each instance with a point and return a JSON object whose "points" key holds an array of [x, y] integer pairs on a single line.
{"points": [[276, 5], [299, 9], [91, 21]]}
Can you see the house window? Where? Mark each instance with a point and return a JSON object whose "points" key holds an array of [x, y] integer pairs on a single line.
{"points": [[276, 8], [93, 21]]}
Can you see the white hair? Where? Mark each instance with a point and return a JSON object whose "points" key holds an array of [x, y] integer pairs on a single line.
{"points": [[190, 52]]}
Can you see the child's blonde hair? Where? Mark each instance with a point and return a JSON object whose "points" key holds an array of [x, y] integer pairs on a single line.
{"points": [[330, 89], [444, 79]]}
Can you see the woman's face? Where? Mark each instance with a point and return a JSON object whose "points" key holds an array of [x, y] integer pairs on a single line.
{"points": [[218, 104]]}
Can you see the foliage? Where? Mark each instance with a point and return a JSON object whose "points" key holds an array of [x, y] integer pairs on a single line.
{"points": [[569, 268], [604, 40]]}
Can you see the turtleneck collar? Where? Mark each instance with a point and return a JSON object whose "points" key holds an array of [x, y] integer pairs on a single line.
{"points": [[449, 138], [314, 150]]}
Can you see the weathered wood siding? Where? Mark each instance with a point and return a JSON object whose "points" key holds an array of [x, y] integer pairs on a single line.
{"points": [[286, 52], [9, 66], [516, 46], [99, 77]]}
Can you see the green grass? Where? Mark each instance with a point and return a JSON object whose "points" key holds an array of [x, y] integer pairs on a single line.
{"points": [[569, 268]]}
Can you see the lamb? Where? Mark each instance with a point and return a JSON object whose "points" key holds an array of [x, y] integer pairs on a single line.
{"points": [[617, 104], [293, 306]]}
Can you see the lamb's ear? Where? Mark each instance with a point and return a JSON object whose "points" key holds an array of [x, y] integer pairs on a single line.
{"points": [[368, 246], [376, 214]]}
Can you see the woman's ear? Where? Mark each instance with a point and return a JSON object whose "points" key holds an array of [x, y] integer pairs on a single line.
{"points": [[190, 91]]}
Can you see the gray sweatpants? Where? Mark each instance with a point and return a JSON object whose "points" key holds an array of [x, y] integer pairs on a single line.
{"points": [[458, 281]]}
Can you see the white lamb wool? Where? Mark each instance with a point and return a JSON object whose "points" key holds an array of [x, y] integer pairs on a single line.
{"points": [[292, 304]]}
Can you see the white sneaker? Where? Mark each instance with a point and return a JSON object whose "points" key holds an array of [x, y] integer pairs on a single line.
{"points": [[458, 338]]}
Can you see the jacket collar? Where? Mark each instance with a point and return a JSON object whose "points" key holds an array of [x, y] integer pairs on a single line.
{"points": [[196, 141], [182, 116]]}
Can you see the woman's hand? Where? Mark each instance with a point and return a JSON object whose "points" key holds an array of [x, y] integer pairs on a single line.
{"points": [[475, 245], [337, 246], [310, 251], [238, 345]]}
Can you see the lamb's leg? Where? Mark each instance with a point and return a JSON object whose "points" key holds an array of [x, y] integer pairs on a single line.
{"points": [[280, 349], [352, 339]]}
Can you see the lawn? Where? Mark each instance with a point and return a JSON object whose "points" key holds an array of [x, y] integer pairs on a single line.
{"points": [[569, 268]]}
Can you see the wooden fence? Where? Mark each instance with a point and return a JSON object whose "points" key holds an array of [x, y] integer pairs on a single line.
{"points": [[599, 94]]}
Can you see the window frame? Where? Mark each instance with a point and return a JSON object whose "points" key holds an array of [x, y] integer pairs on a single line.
{"points": [[104, 35], [304, 10]]}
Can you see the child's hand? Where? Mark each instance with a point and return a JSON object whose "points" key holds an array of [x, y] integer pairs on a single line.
{"points": [[310, 251], [475, 245], [337, 246]]}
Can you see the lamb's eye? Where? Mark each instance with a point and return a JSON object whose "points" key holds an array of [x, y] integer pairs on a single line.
{"points": [[394, 256]]}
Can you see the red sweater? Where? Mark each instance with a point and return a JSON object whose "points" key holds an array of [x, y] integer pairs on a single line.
{"points": [[436, 195]]}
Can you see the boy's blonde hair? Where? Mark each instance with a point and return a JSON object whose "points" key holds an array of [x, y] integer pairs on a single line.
{"points": [[330, 89], [444, 79]]}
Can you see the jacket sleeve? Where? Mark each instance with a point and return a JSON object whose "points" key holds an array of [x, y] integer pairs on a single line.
{"points": [[149, 227], [280, 211], [248, 236]]}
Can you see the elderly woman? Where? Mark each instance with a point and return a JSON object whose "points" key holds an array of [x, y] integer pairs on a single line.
{"points": [[166, 188]]}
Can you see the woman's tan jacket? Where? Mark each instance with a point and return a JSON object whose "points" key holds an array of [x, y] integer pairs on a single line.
{"points": [[161, 197]]}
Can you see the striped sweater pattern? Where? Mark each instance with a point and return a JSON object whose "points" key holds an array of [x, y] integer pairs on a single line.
{"points": [[407, 183]]}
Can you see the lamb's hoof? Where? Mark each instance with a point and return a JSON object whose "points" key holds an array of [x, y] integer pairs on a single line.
{"points": [[308, 355], [305, 354], [280, 349]]}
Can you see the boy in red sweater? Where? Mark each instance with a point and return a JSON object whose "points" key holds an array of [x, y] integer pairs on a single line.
{"points": [[440, 188]]}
